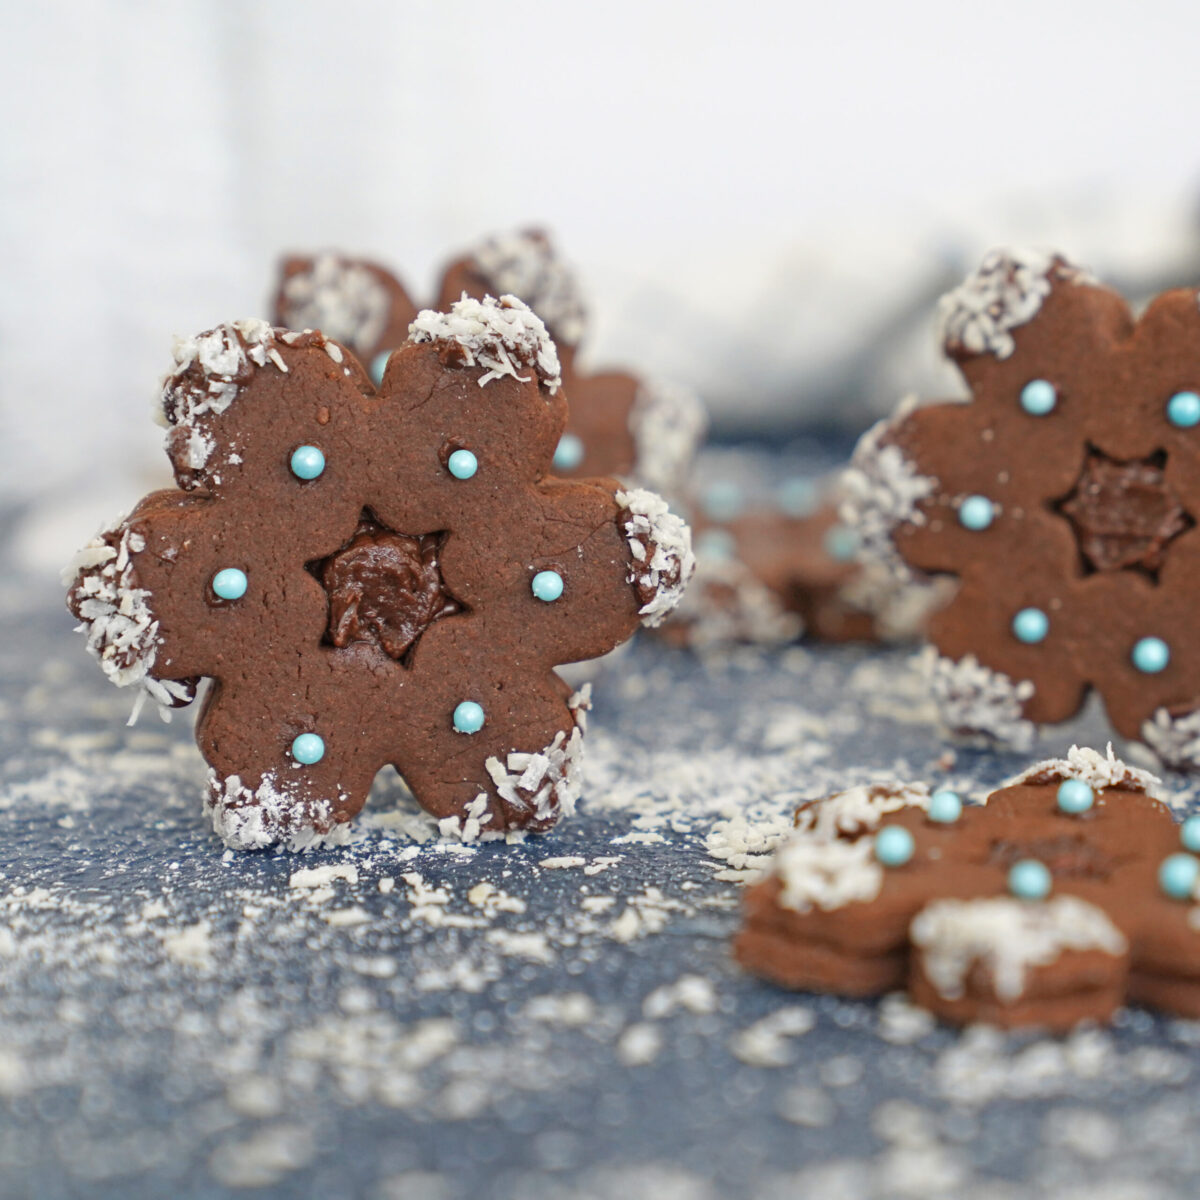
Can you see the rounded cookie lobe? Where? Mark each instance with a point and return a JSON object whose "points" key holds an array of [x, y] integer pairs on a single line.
{"points": [[386, 593]]}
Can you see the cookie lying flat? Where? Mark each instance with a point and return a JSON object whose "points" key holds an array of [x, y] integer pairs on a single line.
{"points": [[1069, 891], [376, 577], [1063, 494], [620, 424]]}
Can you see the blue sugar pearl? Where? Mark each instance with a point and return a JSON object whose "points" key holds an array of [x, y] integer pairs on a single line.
{"points": [[307, 462], [945, 806], [797, 497], [1189, 834], [468, 717], [1151, 655], [1029, 879], [569, 453], [308, 748], [976, 513], [547, 585], [1038, 397], [716, 543], [1177, 875], [841, 543], [1183, 410], [722, 500], [1030, 626], [230, 584], [462, 464], [1074, 796], [379, 365], [894, 845]]}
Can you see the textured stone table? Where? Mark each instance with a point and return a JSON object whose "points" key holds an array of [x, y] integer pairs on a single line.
{"points": [[403, 1018]]}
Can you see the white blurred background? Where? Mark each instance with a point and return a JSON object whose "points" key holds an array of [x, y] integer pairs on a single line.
{"points": [[761, 198]]}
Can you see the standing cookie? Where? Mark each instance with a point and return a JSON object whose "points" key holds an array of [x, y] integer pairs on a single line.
{"points": [[1070, 890], [374, 577], [620, 424], [1062, 495]]}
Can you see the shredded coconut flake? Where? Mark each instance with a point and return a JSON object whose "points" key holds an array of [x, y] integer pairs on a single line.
{"points": [[726, 603], [1098, 770], [826, 874], [972, 698], [668, 423], [503, 336], [661, 544], [1006, 291], [252, 819], [858, 810], [340, 297], [526, 264], [1008, 937], [549, 781], [1175, 739]]}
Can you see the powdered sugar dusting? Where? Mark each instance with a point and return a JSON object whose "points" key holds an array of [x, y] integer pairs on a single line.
{"points": [[1007, 936], [525, 264], [503, 336], [668, 423], [340, 297], [972, 698], [1099, 770], [1005, 292], [661, 543]]}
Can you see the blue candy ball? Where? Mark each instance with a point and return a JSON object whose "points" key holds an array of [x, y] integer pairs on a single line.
{"points": [[1177, 875], [1029, 879], [379, 365], [1030, 626], [468, 717], [307, 462], [1183, 410], [1189, 834], [308, 748], [462, 464], [1074, 796], [569, 452], [716, 543], [230, 584], [723, 500], [976, 513], [841, 543], [894, 845], [797, 497], [547, 585], [945, 806], [1038, 397], [1151, 655]]}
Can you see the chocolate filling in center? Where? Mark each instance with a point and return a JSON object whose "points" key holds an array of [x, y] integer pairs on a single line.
{"points": [[1124, 513], [384, 587]]}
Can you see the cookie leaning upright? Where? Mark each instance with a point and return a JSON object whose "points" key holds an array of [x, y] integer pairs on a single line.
{"points": [[1062, 493], [374, 577]]}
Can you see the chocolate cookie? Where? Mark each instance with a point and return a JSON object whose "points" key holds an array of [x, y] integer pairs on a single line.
{"points": [[1062, 496], [352, 301], [374, 577], [1071, 889], [619, 424]]}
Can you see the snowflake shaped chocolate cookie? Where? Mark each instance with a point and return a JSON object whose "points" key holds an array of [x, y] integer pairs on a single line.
{"points": [[1063, 495], [1069, 891], [373, 577], [619, 424]]}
